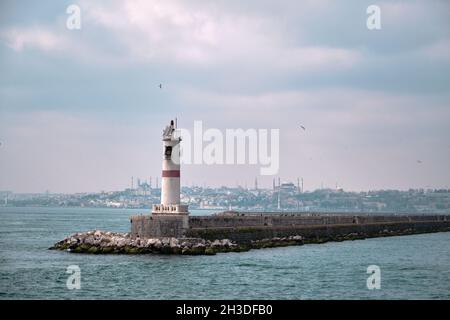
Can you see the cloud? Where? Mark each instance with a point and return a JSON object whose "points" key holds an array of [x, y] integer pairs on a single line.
{"points": [[439, 50], [149, 32], [384, 95], [174, 31], [42, 39], [329, 106]]}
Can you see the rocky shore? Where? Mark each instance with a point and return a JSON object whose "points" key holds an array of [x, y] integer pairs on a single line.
{"points": [[103, 242]]}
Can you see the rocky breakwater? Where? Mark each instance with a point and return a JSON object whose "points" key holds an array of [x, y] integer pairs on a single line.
{"points": [[101, 242], [105, 242]]}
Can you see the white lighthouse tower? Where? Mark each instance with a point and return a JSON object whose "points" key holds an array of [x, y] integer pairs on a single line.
{"points": [[170, 182]]}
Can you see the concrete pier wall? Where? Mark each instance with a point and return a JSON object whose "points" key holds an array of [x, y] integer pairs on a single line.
{"points": [[313, 233], [275, 220], [254, 226]]}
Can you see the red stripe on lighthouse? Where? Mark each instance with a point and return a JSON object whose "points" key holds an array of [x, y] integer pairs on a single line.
{"points": [[171, 173]]}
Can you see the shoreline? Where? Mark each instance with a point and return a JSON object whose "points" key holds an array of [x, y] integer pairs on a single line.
{"points": [[104, 242]]}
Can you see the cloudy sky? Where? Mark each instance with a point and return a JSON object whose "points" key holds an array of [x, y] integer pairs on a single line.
{"points": [[81, 110]]}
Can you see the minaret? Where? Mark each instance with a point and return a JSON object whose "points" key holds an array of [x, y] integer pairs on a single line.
{"points": [[170, 179], [279, 199]]}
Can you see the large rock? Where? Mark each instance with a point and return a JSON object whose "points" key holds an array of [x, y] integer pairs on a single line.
{"points": [[98, 241]]}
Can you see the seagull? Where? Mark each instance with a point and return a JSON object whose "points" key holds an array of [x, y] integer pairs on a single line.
{"points": [[302, 127]]}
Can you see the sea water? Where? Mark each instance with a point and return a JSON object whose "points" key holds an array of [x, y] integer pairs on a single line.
{"points": [[411, 267]]}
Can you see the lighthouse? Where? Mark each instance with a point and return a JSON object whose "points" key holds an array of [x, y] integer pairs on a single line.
{"points": [[170, 177], [169, 218]]}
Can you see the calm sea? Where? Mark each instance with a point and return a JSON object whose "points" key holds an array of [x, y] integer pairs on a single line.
{"points": [[412, 267]]}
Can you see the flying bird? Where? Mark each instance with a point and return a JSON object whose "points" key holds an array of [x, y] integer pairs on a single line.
{"points": [[419, 161], [302, 127], [160, 86]]}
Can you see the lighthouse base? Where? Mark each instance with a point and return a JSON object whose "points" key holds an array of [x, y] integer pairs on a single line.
{"points": [[159, 225], [165, 221]]}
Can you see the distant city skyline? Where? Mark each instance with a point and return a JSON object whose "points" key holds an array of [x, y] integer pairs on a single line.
{"points": [[238, 184], [83, 110], [287, 197]]}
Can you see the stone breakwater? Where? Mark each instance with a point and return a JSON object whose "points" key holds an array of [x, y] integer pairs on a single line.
{"points": [[101, 242]]}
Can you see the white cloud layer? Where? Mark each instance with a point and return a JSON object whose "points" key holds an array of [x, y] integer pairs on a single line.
{"points": [[82, 110]]}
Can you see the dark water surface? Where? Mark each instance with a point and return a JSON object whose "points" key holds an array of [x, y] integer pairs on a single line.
{"points": [[412, 267]]}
